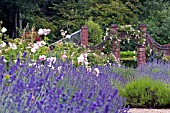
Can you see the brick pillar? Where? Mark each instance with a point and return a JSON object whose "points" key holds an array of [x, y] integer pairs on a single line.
{"points": [[142, 28], [84, 35], [141, 55], [141, 50], [115, 42]]}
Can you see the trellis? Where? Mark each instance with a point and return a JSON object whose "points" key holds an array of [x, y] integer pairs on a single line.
{"points": [[117, 36]]}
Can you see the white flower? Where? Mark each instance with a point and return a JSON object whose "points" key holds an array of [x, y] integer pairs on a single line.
{"points": [[42, 57], [86, 63], [59, 68], [51, 59], [43, 42], [39, 44], [33, 50], [51, 66], [88, 69], [40, 31], [32, 64], [12, 45], [128, 40], [36, 46], [80, 59], [28, 47], [128, 25], [4, 60], [15, 61], [134, 52], [46, 31], [3, 44], [3, 30], [63, 34], [96, 71], [102, 53]]}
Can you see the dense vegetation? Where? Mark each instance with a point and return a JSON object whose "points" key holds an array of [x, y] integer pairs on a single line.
{"points": [[37, 76], [70, 15]]}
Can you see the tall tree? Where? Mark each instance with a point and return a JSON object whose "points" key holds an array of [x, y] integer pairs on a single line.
{"points": [[13, 10], [156, 14]]}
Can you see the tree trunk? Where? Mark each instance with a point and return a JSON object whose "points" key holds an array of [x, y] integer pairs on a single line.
{"points": [[20, 20], [15, 24]]}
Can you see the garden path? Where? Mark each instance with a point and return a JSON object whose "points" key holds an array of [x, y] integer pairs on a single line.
{"points": [[140, 110]]}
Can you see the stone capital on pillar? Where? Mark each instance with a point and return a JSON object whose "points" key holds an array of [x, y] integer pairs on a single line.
{"points": [[84, 35], [114, 28]]}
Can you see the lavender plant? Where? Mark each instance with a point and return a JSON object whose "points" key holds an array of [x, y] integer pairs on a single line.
{"points": [[57, 87], [146, 86]]}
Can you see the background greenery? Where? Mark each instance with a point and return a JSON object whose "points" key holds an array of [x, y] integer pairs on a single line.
{"points": [[70, 15]]}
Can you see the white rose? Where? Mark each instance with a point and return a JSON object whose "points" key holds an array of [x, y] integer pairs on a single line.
{"points": [[46, 31], [80, 59], [3, 30], [96, 71], [33, 50], [3, 44], [43, 42], [40, 31]]}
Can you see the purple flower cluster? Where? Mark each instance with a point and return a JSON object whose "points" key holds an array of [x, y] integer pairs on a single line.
{"points": [[155, 70], [64, 88]]}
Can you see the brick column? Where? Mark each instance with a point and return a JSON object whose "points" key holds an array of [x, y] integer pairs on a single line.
{"points": [[84, 35], [141, 55], [141, 50], [142, 28], [115, 42]]}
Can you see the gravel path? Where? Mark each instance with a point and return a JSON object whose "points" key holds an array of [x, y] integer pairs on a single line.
{"points": [[138, 110]]}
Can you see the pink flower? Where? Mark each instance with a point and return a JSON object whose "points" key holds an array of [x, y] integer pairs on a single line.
{"points": [[64, 56], [46, 31], [42, 57]]}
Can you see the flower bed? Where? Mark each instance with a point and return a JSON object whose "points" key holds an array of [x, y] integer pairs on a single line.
{"points": [[27, 87]]}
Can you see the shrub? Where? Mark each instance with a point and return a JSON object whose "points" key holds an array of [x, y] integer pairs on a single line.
{"points": [[128, 58], [146, 92], [95, 32], [99, 58]]}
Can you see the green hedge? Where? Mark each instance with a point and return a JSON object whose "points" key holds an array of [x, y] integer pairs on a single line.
{"points": [[126, 54], [146, 92]]}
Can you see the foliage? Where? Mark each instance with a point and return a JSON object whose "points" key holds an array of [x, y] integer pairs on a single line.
{"points": [[107, 48], [95, 32], [99, 58], [145, 86], [112, 12], [42, 23], [13, 18], [126, 72], [146, 92], [126, 54], [155, 13], [72, 15], [128, 58], [129, 62]]}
